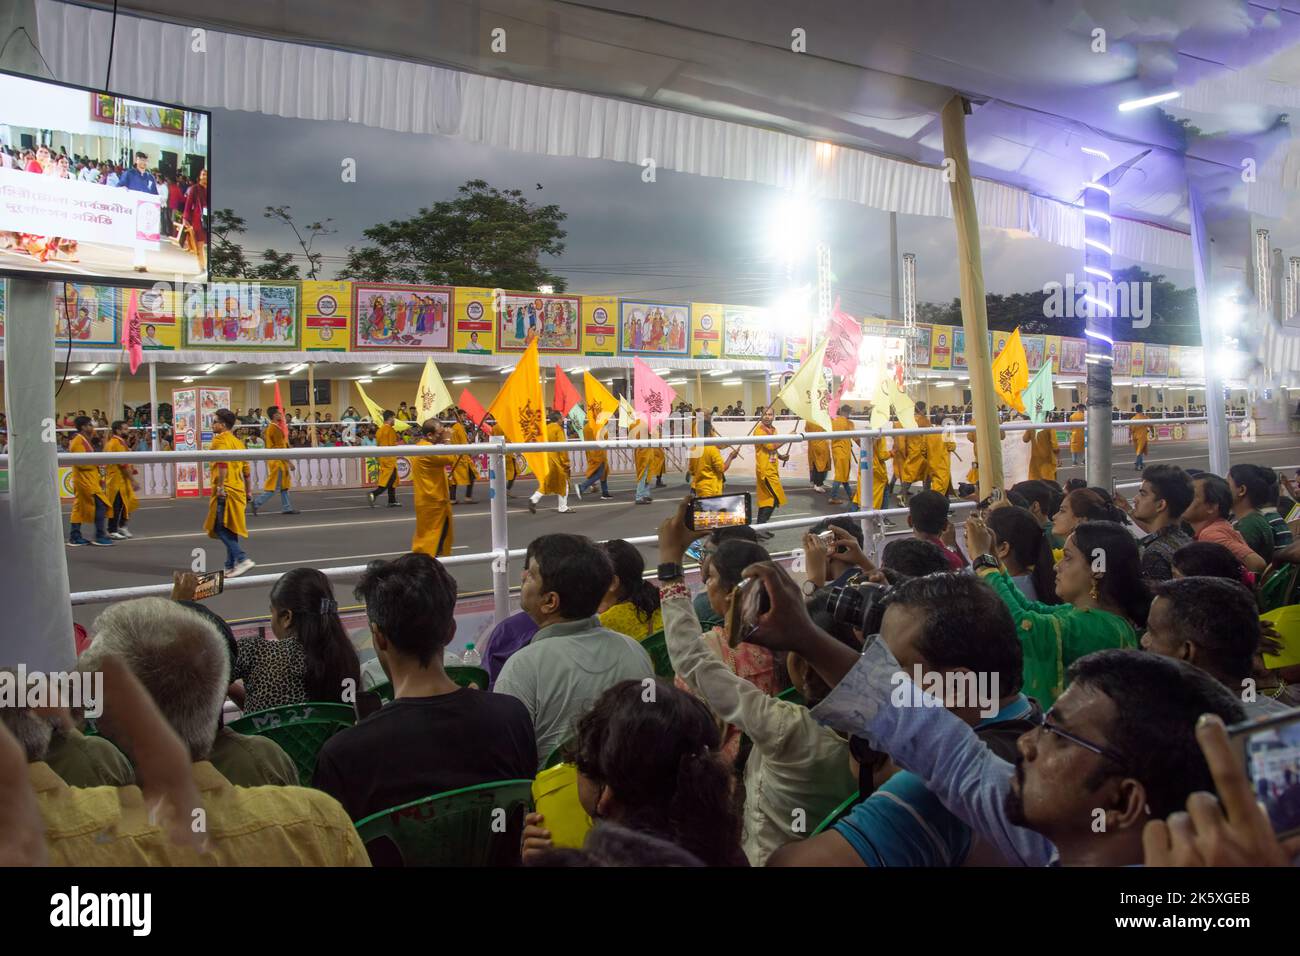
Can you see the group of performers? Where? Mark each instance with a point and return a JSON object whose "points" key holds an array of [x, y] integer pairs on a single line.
{"points": [[104, 495]]}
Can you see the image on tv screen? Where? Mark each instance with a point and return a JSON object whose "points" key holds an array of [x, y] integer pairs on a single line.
{"points": [[102, 186]]}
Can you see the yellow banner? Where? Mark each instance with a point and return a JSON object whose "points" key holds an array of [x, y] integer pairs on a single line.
{"points": [[159, 330], [327, 313], [1137, 359], [599, 324], [520, 408], [1054, 352], [941, 347], [474, 321], [706, 330]]}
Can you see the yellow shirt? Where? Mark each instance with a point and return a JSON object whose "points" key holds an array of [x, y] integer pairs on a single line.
{"points": [[117, 478], [386, 435], [819, 452], [246, 826], [557, 464], [710, 472], [434, 535], [842, 448], [596, 457], [624, 618], [277, 472], [236, 494], [1076, 435], [463, 471]]}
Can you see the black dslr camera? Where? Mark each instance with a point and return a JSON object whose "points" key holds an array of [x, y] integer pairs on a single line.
{"points": [[860, 605]]}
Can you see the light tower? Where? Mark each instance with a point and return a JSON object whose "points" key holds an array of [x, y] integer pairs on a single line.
{"points": [[911, 359]]}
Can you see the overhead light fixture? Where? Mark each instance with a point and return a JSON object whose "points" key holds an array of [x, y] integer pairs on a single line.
{"points": [[577, 370], [505, 370], [719, 371], [675, 381], [1129, 105], [268, 381], [384, 368], [76, 380], [95, 368], [944, 384], [364, 381], [213, 367], [297, 368], [187, 380], [661, 371], [732, 381]]}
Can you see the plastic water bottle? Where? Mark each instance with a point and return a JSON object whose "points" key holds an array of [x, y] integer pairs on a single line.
{"points": [[450, 658], [472, 657]]}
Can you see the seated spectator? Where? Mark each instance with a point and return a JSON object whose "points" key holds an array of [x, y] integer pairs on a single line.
{"points": [[85, 761], [434, 736], [311, 657], [654, 768], [839, 568], [183, 664], [948, 625], [1120, 740], [1213, 624], [1158, 509], [1042, 499], [707, 546], [614, 845], [1282, 535], [797, 772], [1204, 559], [1105, 601], [631, 605], [1249, 490], [927, 516], [572, 659], [1021, 544], [1079, 506], [1074, 484], [1208, 516], [914, 558], [506, 638]]}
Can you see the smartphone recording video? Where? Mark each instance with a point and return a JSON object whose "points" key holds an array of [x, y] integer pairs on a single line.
{"points": [[1272, 753], [720, 511]]}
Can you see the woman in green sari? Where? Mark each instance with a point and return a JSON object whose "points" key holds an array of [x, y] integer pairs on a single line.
{"points": [[1099, 577]]}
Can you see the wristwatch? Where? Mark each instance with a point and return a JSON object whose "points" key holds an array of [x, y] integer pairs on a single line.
{"points": [[671, 571], [984, 561], [810, 587]]}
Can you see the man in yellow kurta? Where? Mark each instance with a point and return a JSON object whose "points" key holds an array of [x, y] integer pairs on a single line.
{"points": [[1139, 435], [91, 502], [915, 466], [819, 458], [1042, 453], [597, 462], [512, 466], [386, 436], [709, 471], [879, 476], [841, 456], [1077, 435], [433, 531], [973, 475], [938, 463], [278, 472], [119, 482], [463, 472], [658, 462], [557, 468], [767, 469], [229, 480], [643, 459]]}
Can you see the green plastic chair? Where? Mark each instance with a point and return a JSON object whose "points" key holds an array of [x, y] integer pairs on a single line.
{"points": [[464, 676], [474, 826], [301, 729], [656, 645], [838, 813]]}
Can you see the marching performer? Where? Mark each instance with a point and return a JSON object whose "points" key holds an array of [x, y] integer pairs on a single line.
{"points": [[1078, 438], [1139, 435], [841, 456], [433, 529], [91, 502], [229, 479], [597, 461], [1042, 453], [463, 471], [709, 471], [387, 437], [819, 458], [512, 461], [557, 469], [767, 471], [278, 472], [120, 484]]}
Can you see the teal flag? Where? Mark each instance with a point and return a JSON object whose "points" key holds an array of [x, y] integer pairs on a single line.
{"points": [[1039, 398], [578, 418]]}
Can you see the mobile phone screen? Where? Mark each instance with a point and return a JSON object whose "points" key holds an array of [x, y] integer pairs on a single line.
{"points": [[210, 584], [720, 511], [1272, 753]]}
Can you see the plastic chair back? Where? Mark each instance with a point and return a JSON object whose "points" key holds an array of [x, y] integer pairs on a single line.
{"points": [[656, 645], [301, 729]]}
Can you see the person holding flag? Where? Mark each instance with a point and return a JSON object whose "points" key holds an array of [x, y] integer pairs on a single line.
{"points": [[91, 502], [767, 471], [556, 481], [278, 472], [658, 461], [519, 408], [512, 463], [600, 408], [463, 471], [229, 480], [119, 482], [433, 526], [841, 456], [710, 471], [644, 461], [386, 437], [1038, 399], [819, 459]]}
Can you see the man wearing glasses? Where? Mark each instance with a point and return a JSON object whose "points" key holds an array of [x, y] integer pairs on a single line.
{"points": [[1117, 750]]}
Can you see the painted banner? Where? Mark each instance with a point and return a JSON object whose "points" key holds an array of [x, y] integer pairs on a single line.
{"points": [[1074, 355], [599, 332], [72, 209], [706, 330], [958, 348], [654, 328], [941, 347], [157, 310], [88, 315], [401, 317], [1157, 361], [1137, 358], [746, 335], [553, 319], [1035, 350], [326, 309], [260, 315], [474, 325], [210, 399], [1121, 358], [186, 434], [1054, 352], [1176, 361], [924, 337], [997, 342]]}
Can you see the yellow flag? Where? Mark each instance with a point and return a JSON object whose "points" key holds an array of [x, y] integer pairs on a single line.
{"points": [[377, 413], [806, 394], [601, 405], [888, 392], [627, 416], [1011, 372], [432, 396], [520, 408]]}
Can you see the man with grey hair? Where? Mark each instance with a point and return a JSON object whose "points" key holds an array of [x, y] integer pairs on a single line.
{"points": [[182, 662]]}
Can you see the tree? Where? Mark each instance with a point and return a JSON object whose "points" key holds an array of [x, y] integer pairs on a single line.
{"points": [[484, 237], [315, 230], [226, 258]]}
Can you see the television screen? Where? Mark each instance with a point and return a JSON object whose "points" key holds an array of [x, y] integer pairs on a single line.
{"points": [[93, 185]]}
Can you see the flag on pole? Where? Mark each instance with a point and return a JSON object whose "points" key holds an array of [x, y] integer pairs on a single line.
{"points": [[566, 396], [843, 340], [1011, 372], [432, 396], [476, 412], [377, 413], [1039, 398], [279, 402], [806, 393], [577, 418], [626, 413], [652, 397], [888, 393], [601, 404], [520, 408], [134, 344]]}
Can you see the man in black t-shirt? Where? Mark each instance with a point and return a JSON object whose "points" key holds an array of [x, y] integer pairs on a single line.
{"points": [[434, 736]]}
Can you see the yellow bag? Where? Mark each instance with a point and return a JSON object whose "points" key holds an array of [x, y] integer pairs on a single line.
{"points": [[555, 794], [1287, 621]]}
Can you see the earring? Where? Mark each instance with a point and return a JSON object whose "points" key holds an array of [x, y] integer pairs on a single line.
{"points": [[1095, 593]]}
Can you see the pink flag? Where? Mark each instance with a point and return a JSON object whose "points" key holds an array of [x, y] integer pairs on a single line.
{"points": [[845, 335], [134, 344], [652, 397]]}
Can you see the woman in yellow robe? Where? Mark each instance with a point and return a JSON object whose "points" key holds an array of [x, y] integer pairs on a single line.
{"points": [[386, 436], [463, 472], [879, 476], [556, 481], [767, 470], [119, 484], [938, 448], [819, 458], [229, 482], [91, 501], [914, 448], [710, 473], [434, 535], [841, 456]]}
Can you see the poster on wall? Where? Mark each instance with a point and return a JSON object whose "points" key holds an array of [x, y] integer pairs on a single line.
{"points": [[186, 438], [1175, 361], [1054, 352], [473, 310], [1074, 356], [210, 399], [156, 309], [1137, 352], [1120, 358], [599, 330], [746, 334], [1157, 361], [924, 338], [394, 317], [958, 348], [555, 320], [326, 311], [706, 330], [87, 314], [653, 328], [941, 347], [258, 315], [1035, 350]]}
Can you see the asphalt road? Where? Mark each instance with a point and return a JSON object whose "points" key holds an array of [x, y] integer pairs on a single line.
{"points": [[337, 528]]}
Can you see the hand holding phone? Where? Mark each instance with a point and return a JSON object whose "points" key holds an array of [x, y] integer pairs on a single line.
{"points": [[720, 511]]}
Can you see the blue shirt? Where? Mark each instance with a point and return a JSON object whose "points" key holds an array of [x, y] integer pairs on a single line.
{"points": [[138, 181], [904, 824], [506, 638]]}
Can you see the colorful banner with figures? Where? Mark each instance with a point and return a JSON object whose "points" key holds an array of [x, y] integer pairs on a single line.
{"points": [[706, 330], [158, 309], [747, 334], [185, 424], [1035, 350], [959, 348], [1137, 356], [326, 311], [1054, 352], [1156, 364], [261, 315], [599, 325], [396, 317], [941, 347], [1074, 356], [654, 328], [87, 315], [1120, 358], [554, 320], [924, 336], [474, 323]]}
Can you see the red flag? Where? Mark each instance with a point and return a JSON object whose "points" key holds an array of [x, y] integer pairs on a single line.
{"points": [[476, 412], [134, 344], [278, 402], [566, 396]]}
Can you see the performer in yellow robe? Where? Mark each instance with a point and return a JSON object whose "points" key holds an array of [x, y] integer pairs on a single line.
{"points": [[91, 502], [709, 473], [1078, 436], [433, 527], [279, 473], [973, 475], [229, 480], [915, 466], [841, 456], [1139, 435], [557, 469], [819, 458], [386, 437], [879, 476], [658, 462], [938, 464], [597, 462], [119, 482], [463, 473], [1042, 453], [644, 461], [512, 463], [767, 469]]}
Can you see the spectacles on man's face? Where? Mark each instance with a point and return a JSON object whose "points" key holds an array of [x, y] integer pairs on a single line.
{"points": [[1045, 724]]}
